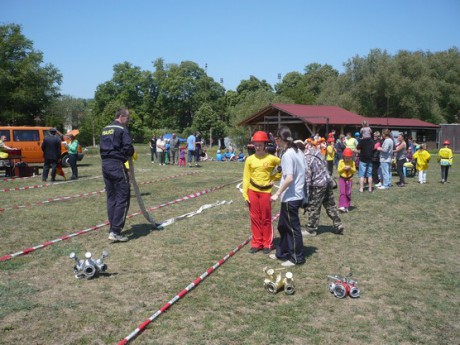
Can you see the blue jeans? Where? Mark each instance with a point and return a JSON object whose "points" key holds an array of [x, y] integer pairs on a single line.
{"points": [[386, 173]]}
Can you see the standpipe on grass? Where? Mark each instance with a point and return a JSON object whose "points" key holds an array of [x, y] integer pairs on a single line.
{"points": [[96, 227], [65, 198], [187, 289]]}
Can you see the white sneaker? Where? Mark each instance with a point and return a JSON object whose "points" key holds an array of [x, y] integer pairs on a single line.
{"points": [[117, 238], [308, 233], [382, 187], [288, 264], [342, 209], [378, 185], [273, 256]]}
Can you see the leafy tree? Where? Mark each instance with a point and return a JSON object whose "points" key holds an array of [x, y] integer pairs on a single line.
{"points": [[253, 102], [206, 119], [27, 86]]}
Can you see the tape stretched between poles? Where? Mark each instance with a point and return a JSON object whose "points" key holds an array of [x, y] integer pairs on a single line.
{"points": [[187, 289], [65, 198], [96, 227], [46, 185]]}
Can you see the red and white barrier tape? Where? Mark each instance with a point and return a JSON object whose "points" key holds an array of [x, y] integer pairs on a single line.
{"points": [[64, 198], [187, 289], [84, 231], [45, 185], [19, 178]]}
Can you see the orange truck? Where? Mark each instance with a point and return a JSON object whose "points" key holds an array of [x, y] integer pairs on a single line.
{"points": [[29, 139]]}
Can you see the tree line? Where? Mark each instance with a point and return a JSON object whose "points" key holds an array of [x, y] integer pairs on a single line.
{"points": [[181, 97]]}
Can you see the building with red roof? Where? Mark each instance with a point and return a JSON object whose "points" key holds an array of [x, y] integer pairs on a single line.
{"points": [[306, 120]]}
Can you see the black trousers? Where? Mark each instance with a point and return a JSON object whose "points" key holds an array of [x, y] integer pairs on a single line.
{"points": [[291, 242], [49, 163], [117, 188], [375, 171], [400, 170], [444, 172], [73, 165]]}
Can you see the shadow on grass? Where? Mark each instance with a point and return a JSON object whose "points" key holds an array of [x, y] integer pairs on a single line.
{"points": [[323, 229], [140, 230], [307, 250]]}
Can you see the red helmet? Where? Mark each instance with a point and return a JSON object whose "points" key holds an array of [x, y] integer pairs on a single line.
{"points": [[446, 142], [260, 136], [347, 152]]}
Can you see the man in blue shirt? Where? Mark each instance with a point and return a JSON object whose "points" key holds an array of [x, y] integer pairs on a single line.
{"points": [[191, 145]]}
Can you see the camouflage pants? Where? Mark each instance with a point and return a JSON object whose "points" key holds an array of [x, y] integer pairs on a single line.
{"points": [[322, 196]]}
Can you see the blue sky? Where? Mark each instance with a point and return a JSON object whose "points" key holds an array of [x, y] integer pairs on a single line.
{"points": [[235, 38]]}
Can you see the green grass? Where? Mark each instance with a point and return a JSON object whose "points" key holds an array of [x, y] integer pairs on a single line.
{"points": [[401, 244]]}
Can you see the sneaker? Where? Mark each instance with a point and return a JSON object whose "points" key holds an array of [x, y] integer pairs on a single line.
{"points": [[308, 233], [253, 250], [339, 230], [342, 209], [267, 250], [117, 238], [288, 264], [382, 187], [273, 256], [378, 185]]}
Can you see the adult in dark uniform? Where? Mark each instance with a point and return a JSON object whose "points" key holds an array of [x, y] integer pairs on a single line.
{"points": [[115, 147], [51, 147]]}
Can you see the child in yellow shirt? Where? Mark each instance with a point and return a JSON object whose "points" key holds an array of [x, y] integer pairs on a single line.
{"points": [[346, 170], [423, 158], [445, 159]]}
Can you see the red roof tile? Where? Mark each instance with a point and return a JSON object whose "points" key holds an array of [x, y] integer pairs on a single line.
{"points": [[316, 114]]}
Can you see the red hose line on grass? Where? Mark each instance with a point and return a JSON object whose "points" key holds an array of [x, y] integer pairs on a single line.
{"points": [[64, 198], [95, 227], [187, 289]]}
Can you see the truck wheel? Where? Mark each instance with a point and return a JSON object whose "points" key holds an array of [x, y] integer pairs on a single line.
{"points": [[65, 161]]}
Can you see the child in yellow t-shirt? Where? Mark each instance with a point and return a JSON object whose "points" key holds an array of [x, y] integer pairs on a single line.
{"points": [[445, 159], [330, 153], [346, 170], [423, 158]]}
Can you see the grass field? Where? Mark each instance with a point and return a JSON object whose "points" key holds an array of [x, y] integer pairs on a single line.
{"points": [[402, 245]]}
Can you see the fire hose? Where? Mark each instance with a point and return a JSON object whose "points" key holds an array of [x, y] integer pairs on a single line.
{"points": [[146, 215]]}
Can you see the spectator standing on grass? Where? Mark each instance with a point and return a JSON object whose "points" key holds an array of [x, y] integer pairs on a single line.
{"points": [[330, 153], [366, 151], [258, 180], [339, 147], [445, 159], [191, 145], [51, 147], [198, 144], [320, 188], [376, 160], [116, 147], [422, 156], [291, 193], [72, 148], [346, 170], [400, 150], [174, 142], [182, 157], [161, 147], [153, 148], [386, 155]]}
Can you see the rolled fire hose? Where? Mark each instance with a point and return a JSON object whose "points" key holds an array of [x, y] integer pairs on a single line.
{"points": [[137, 191]]}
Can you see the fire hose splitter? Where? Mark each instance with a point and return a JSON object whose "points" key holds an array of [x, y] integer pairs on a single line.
{"points": [[342, 287], [88, 268], [275, 282]]}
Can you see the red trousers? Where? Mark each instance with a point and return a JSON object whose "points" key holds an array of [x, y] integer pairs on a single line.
{"points": [[260, 212]]}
